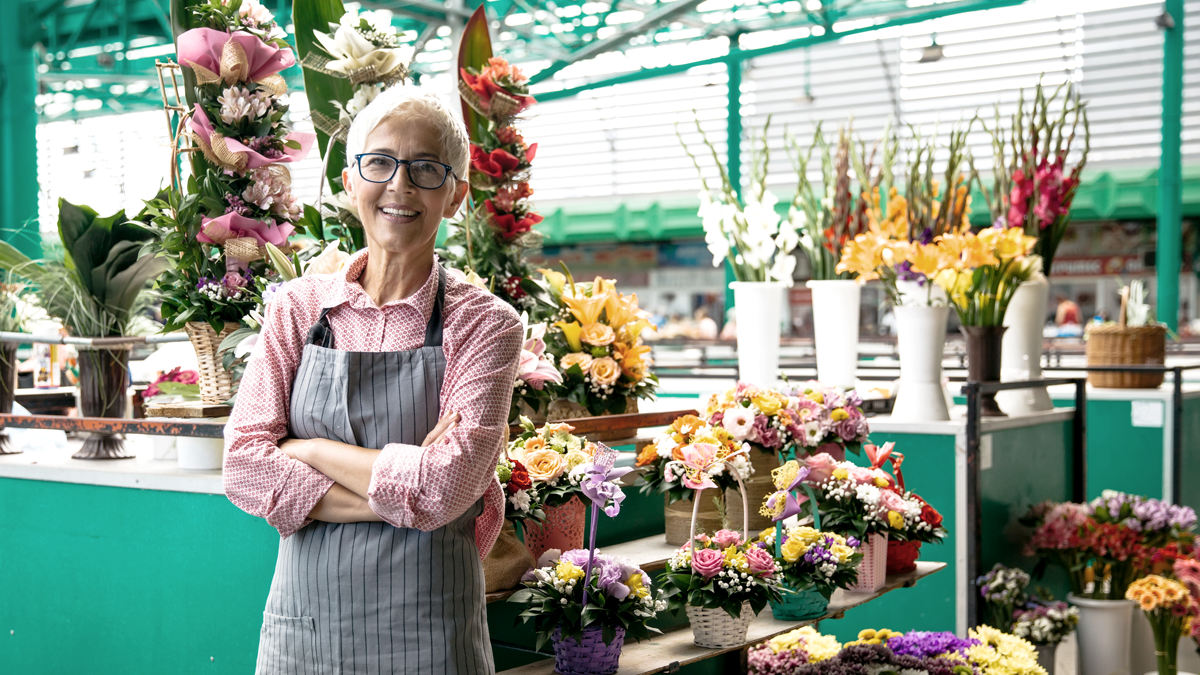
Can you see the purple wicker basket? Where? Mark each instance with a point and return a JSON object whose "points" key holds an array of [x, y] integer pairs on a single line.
{"points": [[589, 655]]}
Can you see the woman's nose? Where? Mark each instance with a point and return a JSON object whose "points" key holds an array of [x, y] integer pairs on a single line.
{"points": [[400, 181]]}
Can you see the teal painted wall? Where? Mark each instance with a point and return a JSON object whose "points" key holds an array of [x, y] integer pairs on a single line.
{"points": [[1112, 439], [1190, 491]]}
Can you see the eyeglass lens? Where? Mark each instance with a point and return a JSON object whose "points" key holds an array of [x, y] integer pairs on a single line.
{"points": [[422, 173]]}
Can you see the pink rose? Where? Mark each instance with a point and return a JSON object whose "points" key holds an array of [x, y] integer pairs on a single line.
{"points": [[861, 475], [761, 563], [707, 562], [820, 467], [891, 501], [727, 538]]}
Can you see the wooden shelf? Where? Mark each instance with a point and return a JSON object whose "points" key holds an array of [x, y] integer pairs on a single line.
{"points": [[665, 653]]}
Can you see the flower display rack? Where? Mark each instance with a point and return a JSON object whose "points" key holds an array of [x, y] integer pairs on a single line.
{"points": [[675, 648]]}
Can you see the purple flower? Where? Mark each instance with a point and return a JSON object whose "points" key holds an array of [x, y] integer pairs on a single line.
{"points": [[270, 291], [923, 644], [847, 429], [853, 542], [236, 205]]}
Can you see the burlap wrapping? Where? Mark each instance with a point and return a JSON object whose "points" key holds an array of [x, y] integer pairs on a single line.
{"points": [[679, 518], [275, 85], [502, 107], [758, 487], [243, 250], [332, 128], [218, 153], [506, 562]]}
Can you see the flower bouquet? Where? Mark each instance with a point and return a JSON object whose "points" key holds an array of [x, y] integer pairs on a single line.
{"points": [[1057, 540], [667, 464], [587, 621], [1045, 623], [1003, 591], [596, 341], [814, 564], [1171, 609], [533, 388], [722, 582]]}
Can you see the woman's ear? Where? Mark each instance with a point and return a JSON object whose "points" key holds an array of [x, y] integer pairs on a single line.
{"points": [[460, 195], [347, 183]]}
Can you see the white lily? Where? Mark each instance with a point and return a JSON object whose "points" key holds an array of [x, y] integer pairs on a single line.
{"points": [[331, 260], [351, 51]]}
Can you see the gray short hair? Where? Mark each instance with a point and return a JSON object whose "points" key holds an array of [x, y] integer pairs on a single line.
{"points": [[409, 102]]}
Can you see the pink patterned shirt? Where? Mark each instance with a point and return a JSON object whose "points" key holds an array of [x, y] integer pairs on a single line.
{"points": [[422, 488]]}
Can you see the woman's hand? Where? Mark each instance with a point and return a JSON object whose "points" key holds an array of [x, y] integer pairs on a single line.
{"points": [[443, 427], [298, 448]]}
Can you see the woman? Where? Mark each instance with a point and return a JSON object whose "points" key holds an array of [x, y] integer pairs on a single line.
{"points": [[384, 510]]}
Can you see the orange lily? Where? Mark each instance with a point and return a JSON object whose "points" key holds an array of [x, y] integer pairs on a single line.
{"points": [[586, 309]]}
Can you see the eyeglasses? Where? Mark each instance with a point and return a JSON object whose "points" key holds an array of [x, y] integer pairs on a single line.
{"points": [[427, 174]]}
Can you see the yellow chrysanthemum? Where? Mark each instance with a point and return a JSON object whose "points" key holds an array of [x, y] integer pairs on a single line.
{"points": [[841, 474], [568, 571], [839, 414], [870, 636], [895, 520], [634, 582]]}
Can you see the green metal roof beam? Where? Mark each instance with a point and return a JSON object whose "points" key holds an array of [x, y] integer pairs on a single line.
{"points": [[736, 54]]}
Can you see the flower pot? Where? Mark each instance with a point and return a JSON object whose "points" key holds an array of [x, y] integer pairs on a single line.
{"points": [[1045, 657], [103, 380], [587, 655], [8, 391], [199, 454], [902, 556], [216, 383], [983, 362], [562, 409], [918, 294], [679, 518], [872, 571], [835, 320], [1021, 351], [1104, 633], [715, 629], [506, 562], [758, 486], [922, 341], [759, 312], [563, 529], [800, 605]]}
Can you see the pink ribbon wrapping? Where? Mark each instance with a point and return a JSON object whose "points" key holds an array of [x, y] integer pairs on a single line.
{"points": [[200, 125], [217, 231], [203, 47]]}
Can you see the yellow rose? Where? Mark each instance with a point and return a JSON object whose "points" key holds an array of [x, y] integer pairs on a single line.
{"points": [[575, 458], [839, 414], [768, 403], [896, 520], [793, 548], [597, 334], [584, 361], [545, 465], [605, 370], [568, 571]]}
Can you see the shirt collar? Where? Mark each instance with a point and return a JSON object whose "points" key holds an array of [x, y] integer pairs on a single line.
{"points": [[347, 290]]}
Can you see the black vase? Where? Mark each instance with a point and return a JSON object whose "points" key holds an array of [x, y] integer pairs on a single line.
{"points": [[983, 362], [103, 376], [8, 391]]}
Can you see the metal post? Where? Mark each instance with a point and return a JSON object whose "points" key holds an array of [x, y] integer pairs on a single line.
{"points": [[18, 132], [974, 514], [1079, 444], [733, 143], [1170, 187], [1177, 436]]}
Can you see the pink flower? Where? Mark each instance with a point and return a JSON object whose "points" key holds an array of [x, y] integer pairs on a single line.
{"points": [[739, 422], [698, 458], [707, 562], [727, 538], [760, 562], [200, 125], [231, 225], [820, 467], [862, 476], [536, 370], [891, 501]]}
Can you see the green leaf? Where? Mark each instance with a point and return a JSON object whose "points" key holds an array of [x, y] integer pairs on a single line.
{"points": [[475, 48], [321, 89], [73, 221], [179, 389]]}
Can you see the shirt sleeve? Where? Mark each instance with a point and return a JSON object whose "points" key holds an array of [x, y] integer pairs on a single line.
{"points": [[427, 488], [259, 478]]}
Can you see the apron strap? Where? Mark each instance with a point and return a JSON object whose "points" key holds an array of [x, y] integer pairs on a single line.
{"points": [[321, 333], [433, 329]]}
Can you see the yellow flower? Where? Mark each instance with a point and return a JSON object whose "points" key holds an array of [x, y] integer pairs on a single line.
{"points": [[632, 359], [556, 279], [839, 414], [568, 571], [895, 520], [862, 256], [769, 402], [571, 331], [577, 457], [634, 582], [597, 334], [605, 370], [817, 397], [793, 548], [586, 309], [926, 259], [842, 551], [870, 636], [584, 361], [841, 474]]}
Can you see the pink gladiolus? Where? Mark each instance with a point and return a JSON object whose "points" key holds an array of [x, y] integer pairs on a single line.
{"points": [[203, 47], [217, 231], [201, 126]]}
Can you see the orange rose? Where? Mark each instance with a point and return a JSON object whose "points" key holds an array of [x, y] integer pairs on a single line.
{"points": [[605, 371], [597, 334], [648, 455], [584, 361], [545, 465], [688, 424]]}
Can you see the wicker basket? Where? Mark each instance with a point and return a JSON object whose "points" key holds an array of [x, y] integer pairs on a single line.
{"points": [[216, 384], [678, 517], [589, 655], [1116, 345], [799, 605], [716, 629], [872, 571]]}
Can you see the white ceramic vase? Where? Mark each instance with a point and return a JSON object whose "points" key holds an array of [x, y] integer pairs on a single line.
{"points": [[200, 454], [1104, 635], [1021, 352], [915, 293], [759, 315], [921, 334], [835, 320]]}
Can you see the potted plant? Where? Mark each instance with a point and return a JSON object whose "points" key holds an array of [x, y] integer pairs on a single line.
{"points": [[587, 620], [98, 288], [664, 471]]}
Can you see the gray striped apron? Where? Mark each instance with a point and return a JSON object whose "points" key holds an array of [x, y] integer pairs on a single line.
{"points": [[360, 598]]}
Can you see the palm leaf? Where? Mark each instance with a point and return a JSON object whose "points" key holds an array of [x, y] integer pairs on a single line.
{"points": [[473, 52], [322, 89]]}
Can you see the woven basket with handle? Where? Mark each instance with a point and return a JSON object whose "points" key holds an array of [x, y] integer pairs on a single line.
{"points": [[589, 655], [216, 384], [1120, 345]]}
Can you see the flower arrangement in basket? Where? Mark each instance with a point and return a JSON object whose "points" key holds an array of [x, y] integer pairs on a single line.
{"points": [[814, 563], [596, 341], [215, 229], [905, 535], [588, 622], [722, 581], [833, 421], [769, 421]]}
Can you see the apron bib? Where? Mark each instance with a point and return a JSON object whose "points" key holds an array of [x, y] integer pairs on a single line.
{"points": [[351, 598]]}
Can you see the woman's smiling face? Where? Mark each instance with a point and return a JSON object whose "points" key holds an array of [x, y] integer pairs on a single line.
{"points": [[397, 216]]}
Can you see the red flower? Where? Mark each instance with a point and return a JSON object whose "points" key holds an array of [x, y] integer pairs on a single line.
{"points": [[930, 515], [513, 288], [495, 164], [519, 480], [530, 152], [509, 224], [486, 84]]}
